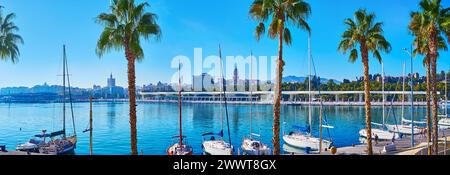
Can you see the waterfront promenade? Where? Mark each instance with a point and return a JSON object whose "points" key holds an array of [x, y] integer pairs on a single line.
{"points": [[266, 98]]}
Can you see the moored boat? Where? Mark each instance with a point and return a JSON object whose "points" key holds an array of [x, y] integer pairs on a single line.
{"points": [[302, 137], [303, 141], [180, 147], [383, 135], [253, 146], [59, 143], [212, 145], [216, 146]]}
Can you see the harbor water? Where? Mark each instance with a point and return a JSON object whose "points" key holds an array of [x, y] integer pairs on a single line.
{"points": [[158, 122]]}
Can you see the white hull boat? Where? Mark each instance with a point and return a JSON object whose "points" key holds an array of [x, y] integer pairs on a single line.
{"points": [[28, 147], [217, 147], [299, 140], [403, 129], [444, 105], [444, 123], [382, 134], [178, 150], [443, 116], [255, 147]]}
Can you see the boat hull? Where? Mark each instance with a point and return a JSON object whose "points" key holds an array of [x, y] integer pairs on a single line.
{"points": [[403, 129], [176, 150], [303, 141], [60, 147], [444, 123], [217, 147], [255, 147], [28, 147], [382, 134]]}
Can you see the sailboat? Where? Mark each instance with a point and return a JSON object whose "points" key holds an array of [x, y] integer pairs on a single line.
{"points": [[251, 145], [381, 133], [213, 145], [60, 143], [444, 121], [405, 126], [180, 148], [302, 137]]}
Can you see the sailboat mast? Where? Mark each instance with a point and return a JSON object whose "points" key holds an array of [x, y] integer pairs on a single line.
{"points": [[445, 94], [64, 90], [225, 100], [403, 91], [309, 81], [179, 105], [382, 87], [222, 80], [70, 97], [412, 101], [251, 93]]}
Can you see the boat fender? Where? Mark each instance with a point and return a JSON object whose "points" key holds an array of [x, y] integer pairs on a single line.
{"points": [[333, 150]]}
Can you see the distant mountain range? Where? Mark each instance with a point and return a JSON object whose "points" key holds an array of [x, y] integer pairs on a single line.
{"points": [[295, 79]]}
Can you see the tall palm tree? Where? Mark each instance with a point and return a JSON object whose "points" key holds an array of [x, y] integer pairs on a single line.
{"points": [[124, 27], [435, 22], [422, 47], [280, 13], [368, 35], [9, 39]]}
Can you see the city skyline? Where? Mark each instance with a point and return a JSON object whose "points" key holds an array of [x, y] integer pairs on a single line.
{"points": [[234, 31]]}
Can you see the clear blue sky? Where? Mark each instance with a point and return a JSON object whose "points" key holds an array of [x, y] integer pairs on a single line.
{"points": [[46, 25]]}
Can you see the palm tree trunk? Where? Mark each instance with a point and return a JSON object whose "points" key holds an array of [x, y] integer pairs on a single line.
{"points": [[277, 96], [434, 55], [429, 104], [365, 59], [435, 106], [132, 95]]}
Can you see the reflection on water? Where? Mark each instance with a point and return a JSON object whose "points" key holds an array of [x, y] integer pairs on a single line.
{"points": [[111, 114], [158, 122]]}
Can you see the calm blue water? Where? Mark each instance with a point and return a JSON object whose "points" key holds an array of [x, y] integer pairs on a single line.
{"points": [[158, 122]]}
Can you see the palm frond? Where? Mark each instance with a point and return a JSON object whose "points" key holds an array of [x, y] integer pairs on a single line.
{"points": [[9, 39], [363, 31], [125, 26], [287, 36]]}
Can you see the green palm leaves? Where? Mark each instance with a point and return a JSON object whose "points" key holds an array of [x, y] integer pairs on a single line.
{"points": [[279, 12], [9, 39], [127, 24], [363, 31]]}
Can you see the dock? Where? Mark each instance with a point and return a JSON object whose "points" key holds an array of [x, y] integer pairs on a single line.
{"points": [[17, 153], [5, 152], [402, 146]]}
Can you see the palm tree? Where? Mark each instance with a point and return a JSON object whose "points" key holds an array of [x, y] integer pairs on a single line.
{"points": [[369, 36], [435, 22], [123, 29], [280, 13], [9, 39], [422, 47]]}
